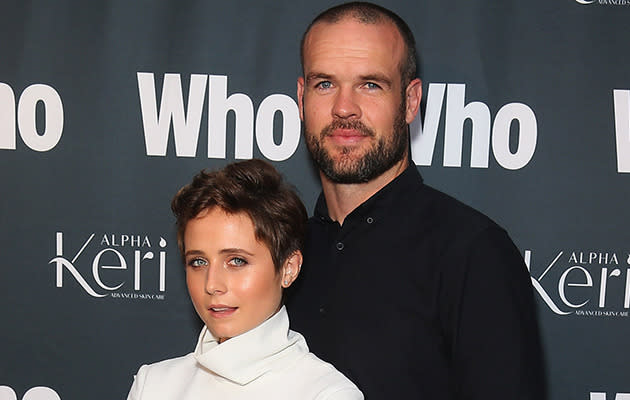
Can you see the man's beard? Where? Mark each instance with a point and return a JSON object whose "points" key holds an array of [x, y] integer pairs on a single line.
{"points": [[383, 155]]}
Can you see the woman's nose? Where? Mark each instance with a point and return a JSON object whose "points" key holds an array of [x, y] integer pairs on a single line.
{"points": [[215, 281]]}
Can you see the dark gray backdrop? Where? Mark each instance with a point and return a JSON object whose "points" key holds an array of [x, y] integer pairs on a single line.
{"points": [[74, 163]]}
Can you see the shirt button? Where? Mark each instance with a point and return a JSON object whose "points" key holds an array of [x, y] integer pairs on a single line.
{"points": [[339, 246], [369, 220], [322, 310]]}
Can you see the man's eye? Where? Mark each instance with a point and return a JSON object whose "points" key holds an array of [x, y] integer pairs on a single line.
{"points": [[324, 85], [197, 262], [372, 85], [237, 262]]}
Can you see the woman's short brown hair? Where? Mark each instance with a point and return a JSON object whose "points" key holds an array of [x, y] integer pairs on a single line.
{"points": [[253, 187]]}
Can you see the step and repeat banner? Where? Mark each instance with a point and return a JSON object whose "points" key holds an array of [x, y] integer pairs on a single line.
{"points": [[107, 108]]}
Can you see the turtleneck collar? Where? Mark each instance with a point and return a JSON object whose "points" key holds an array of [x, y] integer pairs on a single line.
{"points": [[245, 357]]}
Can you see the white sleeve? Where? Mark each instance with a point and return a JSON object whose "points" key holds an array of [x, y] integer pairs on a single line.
{"points": [[347, 393], [135, 393]]}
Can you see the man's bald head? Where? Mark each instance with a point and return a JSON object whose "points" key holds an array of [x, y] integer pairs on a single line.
{"points": [[370, 14]]}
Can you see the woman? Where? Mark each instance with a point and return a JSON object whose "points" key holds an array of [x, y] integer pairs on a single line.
{"points": [[240, 231]]}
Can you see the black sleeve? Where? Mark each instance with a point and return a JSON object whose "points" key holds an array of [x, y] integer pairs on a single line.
{"points": [[494, 337]]}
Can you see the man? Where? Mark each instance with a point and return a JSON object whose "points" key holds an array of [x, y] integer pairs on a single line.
{"points": [[408, 292]]}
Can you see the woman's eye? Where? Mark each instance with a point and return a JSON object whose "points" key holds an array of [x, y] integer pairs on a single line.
{"points": [[197, 262], [237, 262]]}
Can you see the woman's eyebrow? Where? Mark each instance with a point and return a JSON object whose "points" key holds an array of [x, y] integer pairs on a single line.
{"points": [[235, 250], [193, 253]]}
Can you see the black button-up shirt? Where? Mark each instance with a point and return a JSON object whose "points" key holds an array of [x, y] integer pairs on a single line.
{"points": [[418, 296]]}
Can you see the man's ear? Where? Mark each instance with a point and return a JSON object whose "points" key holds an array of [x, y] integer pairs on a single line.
{"points": [[300, 96], [291, 268], [413, 95]]}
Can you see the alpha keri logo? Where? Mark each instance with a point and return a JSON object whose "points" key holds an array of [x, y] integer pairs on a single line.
{"points": [[583, 283], [605, 2], [124, 266]]}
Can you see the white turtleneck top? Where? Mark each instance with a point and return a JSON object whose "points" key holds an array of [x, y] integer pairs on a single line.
{"points": [[268, 362]]}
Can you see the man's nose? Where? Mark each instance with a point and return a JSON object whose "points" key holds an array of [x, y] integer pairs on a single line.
{"points": [[346, 104]]}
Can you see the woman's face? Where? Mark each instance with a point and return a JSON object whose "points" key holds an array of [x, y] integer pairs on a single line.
{"points": [[230, 275]]}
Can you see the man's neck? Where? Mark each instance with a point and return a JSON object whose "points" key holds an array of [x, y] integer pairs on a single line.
{"points": [[343, 198]]}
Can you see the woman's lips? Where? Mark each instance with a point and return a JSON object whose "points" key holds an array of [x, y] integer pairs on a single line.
{"points": [[221, 311]]}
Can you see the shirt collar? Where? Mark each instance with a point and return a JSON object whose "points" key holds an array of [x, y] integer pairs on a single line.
{"points": [[378, 201], [250, 355]]}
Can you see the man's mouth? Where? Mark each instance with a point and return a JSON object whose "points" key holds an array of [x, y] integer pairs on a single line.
{"points": [[347, 129], [347, 132]]}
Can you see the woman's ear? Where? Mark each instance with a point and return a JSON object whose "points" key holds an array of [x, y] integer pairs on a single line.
{"points": [[291, 268]]}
